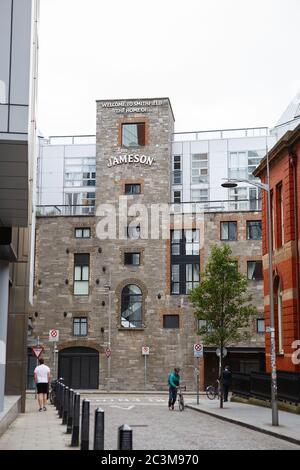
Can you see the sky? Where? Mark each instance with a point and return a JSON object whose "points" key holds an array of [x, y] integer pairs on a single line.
{"points": [[222, 63]]}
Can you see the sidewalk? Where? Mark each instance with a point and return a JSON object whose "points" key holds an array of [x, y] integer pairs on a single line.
{"points": [[36, 430], [252, 417]]}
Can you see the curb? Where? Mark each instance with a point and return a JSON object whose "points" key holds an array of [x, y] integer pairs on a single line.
{"points": [[292, 440]]}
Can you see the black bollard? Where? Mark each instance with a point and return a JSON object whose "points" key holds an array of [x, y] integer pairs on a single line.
{"points": [[62, 395], [70, 411], [85, 425], [125, 437], [76, 416], [66, 405], [99, 430], [57, 395]]}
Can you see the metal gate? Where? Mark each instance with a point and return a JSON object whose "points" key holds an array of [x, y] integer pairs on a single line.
{"points": [[79, 367]]}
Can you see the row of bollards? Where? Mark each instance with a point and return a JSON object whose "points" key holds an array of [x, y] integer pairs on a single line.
{"points": [[67, 403]]}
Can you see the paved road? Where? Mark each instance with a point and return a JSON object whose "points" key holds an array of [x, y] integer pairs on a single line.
{"points": [[155, 427]]}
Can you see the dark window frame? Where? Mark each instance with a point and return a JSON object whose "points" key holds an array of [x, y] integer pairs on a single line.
{"points": [[181, 259], [81, 260], [259, 330], [127, 254], [127, 300], [82, 230], [170, 326], [81, 321], [229, 222], [131, 186], [141, 134], [257, 279], [251, 222]]}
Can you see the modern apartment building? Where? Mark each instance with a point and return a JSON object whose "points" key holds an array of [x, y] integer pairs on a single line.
{"points": [[18, 65]]}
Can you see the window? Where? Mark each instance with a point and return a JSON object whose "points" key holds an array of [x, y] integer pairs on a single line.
{"points": [[82, 233], [280, 216], [260, 325], [255, 270], [199, 195], [177, 197], [242, 164], [280, 320], [229, 231], [185, 266], [199, 168], [131, 307], [80, 326], [132, 189], [133, 259], [171, 321], [236, 195], [192, 277], [80, 172], [177, 173], [81, 274], [254, 230], [133, 135], [133, 232]]}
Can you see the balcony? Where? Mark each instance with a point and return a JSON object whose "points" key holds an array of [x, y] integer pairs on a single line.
{"points": [[66, 210]]}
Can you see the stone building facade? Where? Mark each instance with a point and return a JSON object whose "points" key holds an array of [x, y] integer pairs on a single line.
{"points": [[116, 283]]}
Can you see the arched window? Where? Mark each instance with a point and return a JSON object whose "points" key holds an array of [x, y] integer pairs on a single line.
{"points": [[131, 307]]}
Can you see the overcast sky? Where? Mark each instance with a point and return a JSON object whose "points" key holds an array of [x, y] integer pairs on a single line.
{"points": [[222, 63]]}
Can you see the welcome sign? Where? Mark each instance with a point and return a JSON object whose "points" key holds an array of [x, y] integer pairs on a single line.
{"points": [[129, 159]]}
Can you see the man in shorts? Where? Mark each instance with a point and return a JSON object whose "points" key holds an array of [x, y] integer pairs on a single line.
{"points": [[42, 380]]}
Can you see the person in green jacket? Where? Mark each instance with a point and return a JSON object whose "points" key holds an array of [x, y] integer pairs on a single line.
{"points": [[173, 382]]}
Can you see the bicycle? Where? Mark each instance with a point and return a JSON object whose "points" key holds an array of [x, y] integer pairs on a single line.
{"points": [[212, 391], [180, 397], [52, 394]]}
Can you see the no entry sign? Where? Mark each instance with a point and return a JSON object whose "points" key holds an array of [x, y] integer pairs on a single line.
{"points": [[37, 350], [198, 350], [53, 335], [145, 350], [107, 352]]}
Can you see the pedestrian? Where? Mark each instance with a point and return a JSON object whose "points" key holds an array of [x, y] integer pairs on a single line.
{"points": [[173, 382], [42, 380], [226, 382]]}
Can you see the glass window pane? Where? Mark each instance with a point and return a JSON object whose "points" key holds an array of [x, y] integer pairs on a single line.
{"points": [[189, 272], [76, 328], [86, 233], [81, 288], [224, 230], [232, 231], [85, 273], [77, 273]]}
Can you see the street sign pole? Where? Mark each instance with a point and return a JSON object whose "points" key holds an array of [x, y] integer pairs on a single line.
{"points": [[198, 381], [145, 371]]}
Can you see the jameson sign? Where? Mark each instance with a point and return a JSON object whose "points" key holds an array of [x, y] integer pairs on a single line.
{"points": [[136, 106], [127, 159]]}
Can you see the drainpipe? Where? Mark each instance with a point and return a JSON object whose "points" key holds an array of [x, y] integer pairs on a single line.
{"points": [[293, 162]]}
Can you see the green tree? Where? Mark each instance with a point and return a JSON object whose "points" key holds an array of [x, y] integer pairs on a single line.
{"points": [[223, 304]]}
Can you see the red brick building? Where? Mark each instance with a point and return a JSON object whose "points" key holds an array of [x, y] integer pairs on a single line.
{"points": [[285, 197]]}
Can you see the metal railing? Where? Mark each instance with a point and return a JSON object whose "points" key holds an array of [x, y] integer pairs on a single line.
{"points": [[221, 134], [239, 205], [191, 207], [258, 385], [65, 210]]}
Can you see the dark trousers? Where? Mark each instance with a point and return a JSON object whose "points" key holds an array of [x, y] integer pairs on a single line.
{"points": [[225, 391], [172, 396]]}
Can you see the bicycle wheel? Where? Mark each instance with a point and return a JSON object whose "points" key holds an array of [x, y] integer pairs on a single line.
{"points": [[211, 392], [181, 404], [52, 397]]}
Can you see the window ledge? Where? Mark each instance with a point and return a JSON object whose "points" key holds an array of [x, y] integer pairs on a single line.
{"points": [[122, 328]]}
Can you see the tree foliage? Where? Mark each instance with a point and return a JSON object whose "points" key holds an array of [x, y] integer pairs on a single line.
{"points": [[221, 300]]}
